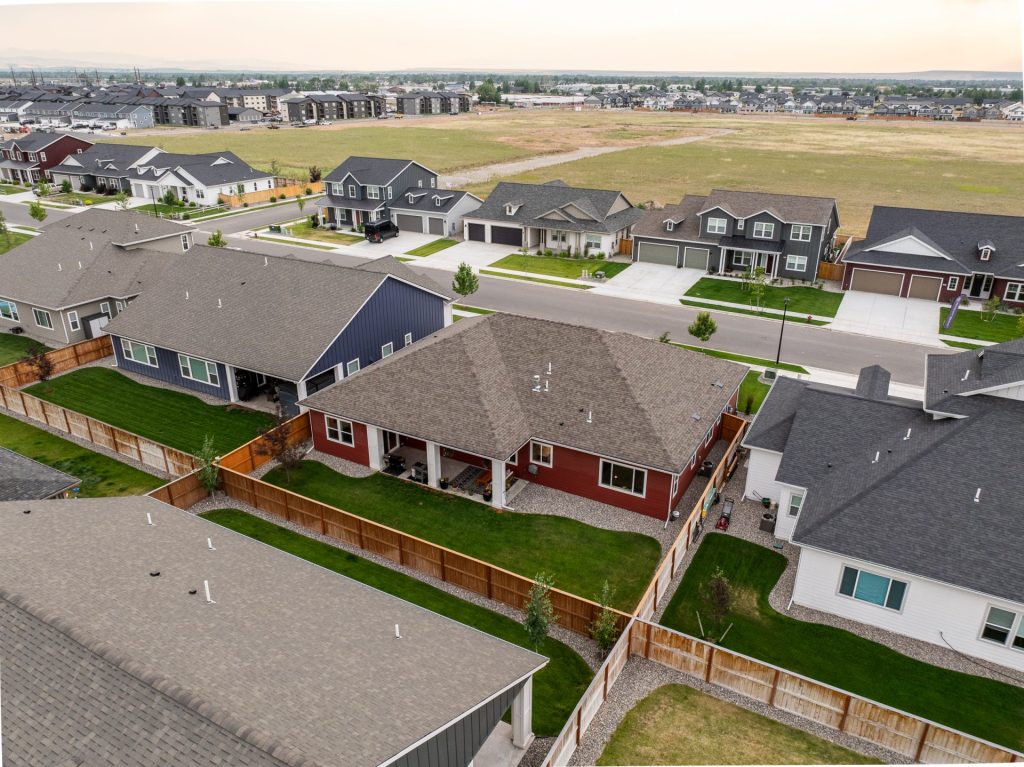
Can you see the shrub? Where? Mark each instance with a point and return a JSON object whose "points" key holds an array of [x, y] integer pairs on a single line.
{"points": [[539, 611], [65, 186], [186, 216], [273, 199], [548, 252], [604, 630], [309, 190], [314, 222], [245, 205], [192, 204]]}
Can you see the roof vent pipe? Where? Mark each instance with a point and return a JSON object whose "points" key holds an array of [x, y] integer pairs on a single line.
{"points": [[977, 496], [186, 295], [907, 435], [966, 375], [149, 519], [590, 416], [220, 304], [209, 544], [79, 266], [398, 634], [206, 589], [60, 268], [136, 227], [90, 244], [878, 454]]}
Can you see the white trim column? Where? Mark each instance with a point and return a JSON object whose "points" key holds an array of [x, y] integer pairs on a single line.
{"points": [[232, 385], [433, 463], [375, 447], [497, 484], [522, 716], [449, 316]]}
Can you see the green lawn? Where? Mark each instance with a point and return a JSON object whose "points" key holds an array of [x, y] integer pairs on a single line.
{"points": [[555, 689], [969, 324], [556, 266], [473, 309], [174, 418], [752, 393], [13, 348], [306, 231], [431, 247], [282, 241], [541, 280], [742, 358], [579, 556], [680, 725], [962, 344], [9, 189], [802, 300], [71, 198], [99, 475], [749, 312], [163, 209], [981, 707], [13, 240]]}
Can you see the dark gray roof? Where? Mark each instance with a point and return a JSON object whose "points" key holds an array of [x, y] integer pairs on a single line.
{"points": [[684, 217], [274, 315], [425, 200], [789, 208], [208, 169], [44, 271], [31, 142], [291, 657], [956, 235], [558, 206], [368, 170], [22, 479], [949, 377], [641, 394], [770, 429], [873, 383], [111, 160]]}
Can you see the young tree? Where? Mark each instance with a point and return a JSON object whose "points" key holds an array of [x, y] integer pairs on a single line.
{"points": [[991, 307], [604, 631], [277, 446], [301, 202], [758, 286], [216, 240], [180, 82], [665, 338], [465, 283], [240, 191], [37, 211], [703, 327], [716, 597], [123, 200], [1020, 326], [5, 231], [43, 189], [539, 612], [206, 457], [65, 186], [275, 169], [35, 356]]}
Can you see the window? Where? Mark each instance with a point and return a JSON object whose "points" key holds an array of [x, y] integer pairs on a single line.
{"points": [[73, 322], [196, 369], [513, 460], [119, 305], [105, 308], [339, 431], [186, 243], [876, 589], [740, 223], [342, 214], [627, 479], [387, 349], [351, 190], [795, 503], [717, 225], [9, 311], [373, 193], [764, 230], [338, 189], [670, 225], [419, 183], [42, 156], [389, 192], [542, 453], [43, 319], [433, 182], [408, 338], [1014, 291], [999, 628], [141, 353], [352, 367], [593, 241], [801, 232], [796, 263], [952, 283], [559, 237], [741, 259]]}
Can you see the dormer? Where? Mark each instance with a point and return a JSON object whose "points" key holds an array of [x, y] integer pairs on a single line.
{"points": [[985, 250], [670, 225], [512, 207]]}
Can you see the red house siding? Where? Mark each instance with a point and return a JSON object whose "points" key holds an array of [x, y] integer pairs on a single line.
{"points": [[945, 294], [358, 453], [999, 289]]}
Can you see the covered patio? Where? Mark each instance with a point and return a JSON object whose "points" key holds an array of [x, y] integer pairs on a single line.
{"points": [[743, 259]]}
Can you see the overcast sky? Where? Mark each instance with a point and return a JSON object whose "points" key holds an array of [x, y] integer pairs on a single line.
{"points": [[656, 35]]}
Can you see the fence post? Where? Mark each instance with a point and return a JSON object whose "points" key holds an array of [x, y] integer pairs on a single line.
{"points": [[490, 583], [579, 724], [846, 711], [401, 550], [323, 519], [920, 744], [708, 663], [359, 529], [647, 642], [775, 688], [606, 666]]}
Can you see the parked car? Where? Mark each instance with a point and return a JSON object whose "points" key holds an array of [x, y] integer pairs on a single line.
{"points": [[378, 231]]}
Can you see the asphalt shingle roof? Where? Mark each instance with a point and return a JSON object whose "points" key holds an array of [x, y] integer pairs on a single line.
{"points": [[105, 160], [951, 376], [424, 202], [290, 656], [790, 208], [684, 217], [368, 170], [536, 201], [208, 169], [474, 390], [22, 479]]}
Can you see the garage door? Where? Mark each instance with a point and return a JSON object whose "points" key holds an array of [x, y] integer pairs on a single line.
{"points": [[873, 281], [506, 235], [654, 253], [695, 258], [436, 225], [408, 223], [476, 232], [925, 287]]}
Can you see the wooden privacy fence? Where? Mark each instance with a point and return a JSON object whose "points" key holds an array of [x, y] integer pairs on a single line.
{"points": [[145, 451], [831, 271], [293, 189], [19, 374], [183, 492], [248, 458], [572, 612]]}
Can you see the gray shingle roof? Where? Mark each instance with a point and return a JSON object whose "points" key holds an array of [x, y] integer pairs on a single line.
{"points": [[536, 201], [684, 216], [31, 142], [44, 270], [473, 385], [368, 170], [424, 200], [113, 160], [951, 376], [771, 425], [22, 479], [208, 169], [790, 208], [273, 315], [289, 653]]}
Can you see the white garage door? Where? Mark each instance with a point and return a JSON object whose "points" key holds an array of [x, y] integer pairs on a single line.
{"points": [[654, 253], [696, 258]]}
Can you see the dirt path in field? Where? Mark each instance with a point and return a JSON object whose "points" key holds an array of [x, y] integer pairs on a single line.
{"points": [[487, 172]]}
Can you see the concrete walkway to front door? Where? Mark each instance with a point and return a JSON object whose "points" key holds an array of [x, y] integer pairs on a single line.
{"points": [[913, 320]]}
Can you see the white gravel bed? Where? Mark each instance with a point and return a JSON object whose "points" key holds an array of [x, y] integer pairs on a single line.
{"points": [[340, 465], [641, 677]]}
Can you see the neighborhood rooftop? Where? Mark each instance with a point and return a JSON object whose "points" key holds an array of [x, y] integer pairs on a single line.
{"points": [[368, 170], [789, 208], [300, 662], [22, 478], [556, 205]]}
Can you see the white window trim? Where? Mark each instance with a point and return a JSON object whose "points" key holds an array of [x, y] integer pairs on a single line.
{"points": [[741, 258], [797, 500], [669, 226], [713, 225], [126, 348], [35, 316], [373, 193], [13, 309], [185, 243], [213, 375], [408, 338], [119, 305], [352, 190], [1016, 627], [73, 322], [105, 308], [348, 367], [801, 228], [839, 585], [793, 257], [953, 282], [763, 226], [387, 349], [341, 434], [1018, 289], [600, 473], [551, 453]]}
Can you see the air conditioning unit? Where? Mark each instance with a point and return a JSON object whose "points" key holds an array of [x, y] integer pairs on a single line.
{"points": [[17, 331], [769, 374]]}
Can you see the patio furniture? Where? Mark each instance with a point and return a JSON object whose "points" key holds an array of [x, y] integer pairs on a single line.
{"points": [[419, 472], [484, 479], [394, 464], [725, 518]]}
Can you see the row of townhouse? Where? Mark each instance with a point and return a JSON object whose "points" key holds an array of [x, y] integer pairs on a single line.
{"points": [[433, 103], [332, 106]]}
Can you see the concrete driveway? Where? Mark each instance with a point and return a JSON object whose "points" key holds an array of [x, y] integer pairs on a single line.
{"points": [[651, 282], [395, 246], [479, 255], [901, 319]]}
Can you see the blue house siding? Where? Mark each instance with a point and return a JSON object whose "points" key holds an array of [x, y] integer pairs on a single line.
{"points": [[169, 371], [395, 309]]}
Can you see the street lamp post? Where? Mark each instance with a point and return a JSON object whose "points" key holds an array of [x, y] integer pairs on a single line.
{"points": [[782, 328]]}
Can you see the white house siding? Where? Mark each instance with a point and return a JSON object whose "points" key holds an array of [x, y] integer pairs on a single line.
{"points": [[762, 466], [785, 524], [928, 607]]}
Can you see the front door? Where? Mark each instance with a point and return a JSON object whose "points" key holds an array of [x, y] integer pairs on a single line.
{"points": [[390, 441], [981, 286]]}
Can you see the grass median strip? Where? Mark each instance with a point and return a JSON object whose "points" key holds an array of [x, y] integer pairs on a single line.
{"points": [[559, 283], [12, 240], [750, 312], [305, 230], [802, 300], [969, 324], [431, 247], [979, 706], [559, 266], [556, 688], [742, 358], [472, 309], [579, 556], [962, 344], [752, 393], [100, 475], [174, 418]]}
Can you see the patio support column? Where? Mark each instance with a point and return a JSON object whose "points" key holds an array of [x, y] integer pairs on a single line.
{"points": [[232, 385], [497, 484], [375, 446], [522, 716], [433, 463], [449, 316]]}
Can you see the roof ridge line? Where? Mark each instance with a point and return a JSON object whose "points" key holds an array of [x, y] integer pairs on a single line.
{"points": [[208, 711]]}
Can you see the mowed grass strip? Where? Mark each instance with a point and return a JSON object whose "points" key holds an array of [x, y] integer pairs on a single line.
{"points": [[741, 358], [752, 393], [802, 300], [975, 705], [680, 725], [540, 280], [555, 689], [306, 231], [100, 475], [12, 240], [432, 247], [14, 348], [174, 418], [794, 317], [579, 556], [971, 324], [558, 266]]}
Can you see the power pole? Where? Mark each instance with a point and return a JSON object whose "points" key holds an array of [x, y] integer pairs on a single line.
{"points": [[13, 78]]}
